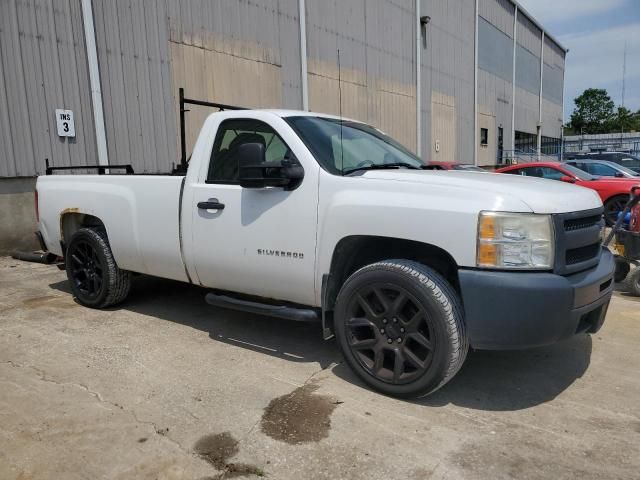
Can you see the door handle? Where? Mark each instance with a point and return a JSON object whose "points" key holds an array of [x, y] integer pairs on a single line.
{"points": [[212, 204]]}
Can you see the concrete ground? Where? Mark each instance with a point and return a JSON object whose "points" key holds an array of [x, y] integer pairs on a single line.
{"points": [[167, 387]]}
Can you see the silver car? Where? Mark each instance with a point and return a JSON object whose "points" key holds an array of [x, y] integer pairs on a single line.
{"points": [[603, 168]]}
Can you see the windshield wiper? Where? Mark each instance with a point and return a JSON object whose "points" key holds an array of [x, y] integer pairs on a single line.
{"points": [[382, 166]]}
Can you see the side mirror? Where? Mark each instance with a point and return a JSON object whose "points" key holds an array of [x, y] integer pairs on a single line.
{"points": [[567, 179], [619, 175], [256, 172]]}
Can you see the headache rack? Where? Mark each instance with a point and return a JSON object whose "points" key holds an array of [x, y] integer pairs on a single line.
{"points": [[191, 101]]}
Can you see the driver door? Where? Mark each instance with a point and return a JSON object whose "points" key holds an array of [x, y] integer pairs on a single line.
{"points": [[254, 241]]}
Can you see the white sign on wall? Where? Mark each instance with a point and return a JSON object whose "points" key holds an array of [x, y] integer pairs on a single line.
{"points": [[64, 120]]}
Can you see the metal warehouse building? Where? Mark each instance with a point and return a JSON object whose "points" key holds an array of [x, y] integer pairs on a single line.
{"points": [[467, 80]]}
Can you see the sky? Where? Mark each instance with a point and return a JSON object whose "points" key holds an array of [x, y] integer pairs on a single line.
{"points": [[595, 32]]}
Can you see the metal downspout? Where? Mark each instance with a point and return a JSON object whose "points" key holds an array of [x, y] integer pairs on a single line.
{"points": [[475, 90], [513, 81], [540, 99], [418, 82], [302, 17], [94, 80]]}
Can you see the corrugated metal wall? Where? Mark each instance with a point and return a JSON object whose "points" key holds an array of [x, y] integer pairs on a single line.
{"points": [[495, 75], [133, 54], [529, 39], [247, 52], [243, 52], [377, 62], [447, 80], [499, 13], [552, 89], [43, 66]]}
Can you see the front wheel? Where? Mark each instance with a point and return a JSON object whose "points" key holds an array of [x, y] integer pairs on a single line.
{"points": [[400, 327], [96, 280]]}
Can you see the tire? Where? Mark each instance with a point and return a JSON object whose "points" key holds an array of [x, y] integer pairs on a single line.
{"points": [[632, 282], [415, 355], [96, 281], [622, 270], [612, 207]]}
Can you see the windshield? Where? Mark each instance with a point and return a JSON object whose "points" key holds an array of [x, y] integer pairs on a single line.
{"points": [[626, 170], [576, 172], [629, 161], [343, 146]]}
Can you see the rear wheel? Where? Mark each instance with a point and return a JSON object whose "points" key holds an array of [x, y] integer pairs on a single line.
{"points": [[96, 280], [400, 327], [613, 207]]}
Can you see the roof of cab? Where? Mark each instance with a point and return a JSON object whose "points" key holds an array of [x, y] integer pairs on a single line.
{"points": [[298, 113]]}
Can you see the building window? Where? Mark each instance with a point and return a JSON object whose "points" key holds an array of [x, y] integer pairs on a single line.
{"points": [[484, 137], [526, 142]]}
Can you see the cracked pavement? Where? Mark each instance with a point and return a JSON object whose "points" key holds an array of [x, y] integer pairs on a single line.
{"points": [[126, 394]]}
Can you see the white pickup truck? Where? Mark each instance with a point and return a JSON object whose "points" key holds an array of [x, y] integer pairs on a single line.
{"points": [[310, 217]]}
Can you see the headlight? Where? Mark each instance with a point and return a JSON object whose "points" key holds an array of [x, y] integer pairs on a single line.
{"points": [[515, 240]]}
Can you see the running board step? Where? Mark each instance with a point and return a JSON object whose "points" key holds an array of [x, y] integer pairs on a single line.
{"points": [[279, 311]]}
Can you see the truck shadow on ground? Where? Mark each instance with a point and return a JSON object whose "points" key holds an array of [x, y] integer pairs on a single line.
{"points": [[491, 381], [184, 304], [508, 380]]}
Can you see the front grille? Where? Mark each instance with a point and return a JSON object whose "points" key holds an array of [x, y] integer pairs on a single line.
{"points": [[580, 223], [582, 254], [577, 240]]}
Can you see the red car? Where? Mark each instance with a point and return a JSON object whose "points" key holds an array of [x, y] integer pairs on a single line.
{"points": [[614, 192], [456, 166]]}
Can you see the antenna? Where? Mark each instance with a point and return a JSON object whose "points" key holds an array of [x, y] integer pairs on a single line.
{"points": [[624, 71], [340, 114]]}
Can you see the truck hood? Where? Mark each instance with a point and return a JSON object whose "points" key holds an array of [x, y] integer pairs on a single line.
{"points": [[540, 195]]}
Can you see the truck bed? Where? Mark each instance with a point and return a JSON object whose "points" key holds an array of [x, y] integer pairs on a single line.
{"points": [[140, 212]]}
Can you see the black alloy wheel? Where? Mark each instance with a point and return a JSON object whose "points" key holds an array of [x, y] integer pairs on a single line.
{"points": [[389, 334], [96, 280], [400, 326], [86, 269]]}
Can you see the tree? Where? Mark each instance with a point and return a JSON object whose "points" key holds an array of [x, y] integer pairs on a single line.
{"points": [[593, 112], [624, 120]]}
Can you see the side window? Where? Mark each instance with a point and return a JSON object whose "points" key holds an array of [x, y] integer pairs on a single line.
{"points": [[551, 173], [231, 135], [581, 165], [516, 171], [532, 172], [601, 170]]}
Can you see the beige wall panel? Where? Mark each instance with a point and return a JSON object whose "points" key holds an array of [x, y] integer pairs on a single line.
{"points": [[443, 127], [487, 154], [397, 117], [387, 105], [220, 77], [551, 119], [324, 97], [527, 111]]}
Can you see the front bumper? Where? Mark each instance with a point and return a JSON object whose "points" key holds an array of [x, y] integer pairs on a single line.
{"points": [[513, 310]]}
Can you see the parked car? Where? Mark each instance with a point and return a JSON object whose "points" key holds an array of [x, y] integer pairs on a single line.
{"points": [[604, 168], [467, 167], [621, 158], [313, 218], [614, 192]]}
